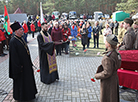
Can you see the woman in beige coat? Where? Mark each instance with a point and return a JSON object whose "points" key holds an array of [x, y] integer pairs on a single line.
{"points": [[107, 71]]}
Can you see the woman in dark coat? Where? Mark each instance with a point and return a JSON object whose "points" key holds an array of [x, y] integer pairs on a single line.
{"points": [[57, 36], [84, 38]]}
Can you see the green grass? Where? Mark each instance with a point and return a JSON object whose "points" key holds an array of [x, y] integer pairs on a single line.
{"points": [[91, 52]]}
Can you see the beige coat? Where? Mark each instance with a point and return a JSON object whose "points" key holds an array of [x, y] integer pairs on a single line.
{"points": [[107, 72], [128, 40], [136, 40], [121, 33]]}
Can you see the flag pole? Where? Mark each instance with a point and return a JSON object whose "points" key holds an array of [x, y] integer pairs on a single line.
{"points": [[41, 14]]}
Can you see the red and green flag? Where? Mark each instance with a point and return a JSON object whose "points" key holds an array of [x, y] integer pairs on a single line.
{"points": [[7, 21]]}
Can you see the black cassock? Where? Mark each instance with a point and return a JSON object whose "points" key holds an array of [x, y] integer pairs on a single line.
{"points": [[48, 71], [21, 71]]}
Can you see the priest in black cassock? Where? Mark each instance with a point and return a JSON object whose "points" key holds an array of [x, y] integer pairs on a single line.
{"points": [[20, 67], [47, 58]]}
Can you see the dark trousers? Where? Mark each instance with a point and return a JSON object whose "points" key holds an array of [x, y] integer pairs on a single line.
{"points": [[25, 37], [112, 30], [32, 34], [83, 47], [88, 42], [65, 45], [1, 48], [96, 38], [58, 49]]}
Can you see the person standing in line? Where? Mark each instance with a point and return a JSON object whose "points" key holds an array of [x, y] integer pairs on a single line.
{"points": [[28, 25], [20, 67], [25, 31], [106, 31], [73, 33], [39, 25], [107, 71], [112, 26], [2, 39], [66, 33], [32, 26], [116, 27], [84, 37], [57, 36], [121, 32], [96, 34], [135, 26], [129, 37], [89, 28], [47, 58]]}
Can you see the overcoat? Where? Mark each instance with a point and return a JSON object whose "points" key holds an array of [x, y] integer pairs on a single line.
{"points": [[84, 38], [74, 33], [136, 40], [21, 71], [56, 34], [128, 40], [107, 73]]}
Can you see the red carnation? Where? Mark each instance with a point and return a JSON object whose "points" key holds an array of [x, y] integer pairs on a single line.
{"points": [[85, 50], [38, 70], [75, 45], [92, 79]]}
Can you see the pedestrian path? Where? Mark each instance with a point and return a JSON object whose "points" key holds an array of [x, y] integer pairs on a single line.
{"points": [[74, 84]]}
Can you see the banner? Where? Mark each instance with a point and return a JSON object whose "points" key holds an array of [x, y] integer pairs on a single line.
{"points": [[7, 21]]}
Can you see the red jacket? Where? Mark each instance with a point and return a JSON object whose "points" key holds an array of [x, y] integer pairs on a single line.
{"points": [[39, 24], [53, 17], [56, 34], [66, 34], [2, 37], [32, 26], [25, 28]]}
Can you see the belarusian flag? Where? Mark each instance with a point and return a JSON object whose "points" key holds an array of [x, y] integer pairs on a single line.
{"points": [[7, 21]]}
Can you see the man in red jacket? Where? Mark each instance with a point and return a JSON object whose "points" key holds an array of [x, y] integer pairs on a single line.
{"points": [[39, 25], [32, 26], [66, 33], [2, 39], [25, 31]]}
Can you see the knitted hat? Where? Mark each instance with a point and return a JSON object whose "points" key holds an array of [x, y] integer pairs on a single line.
{"points": [[15, 26], [129, 21], [112, 39]]}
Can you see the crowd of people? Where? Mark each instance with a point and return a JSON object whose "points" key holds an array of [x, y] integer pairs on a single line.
{"points": [[57, 35]]}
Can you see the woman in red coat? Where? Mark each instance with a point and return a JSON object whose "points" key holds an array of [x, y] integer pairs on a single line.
{"points": [[66, 33], [25, 31], [2, 39], [32, 26]]}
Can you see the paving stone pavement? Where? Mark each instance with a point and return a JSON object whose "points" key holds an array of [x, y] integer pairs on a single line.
{"points": [[74, 84]]}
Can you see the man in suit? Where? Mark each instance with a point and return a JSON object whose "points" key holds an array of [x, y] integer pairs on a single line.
{"points": [[96, 34]]}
